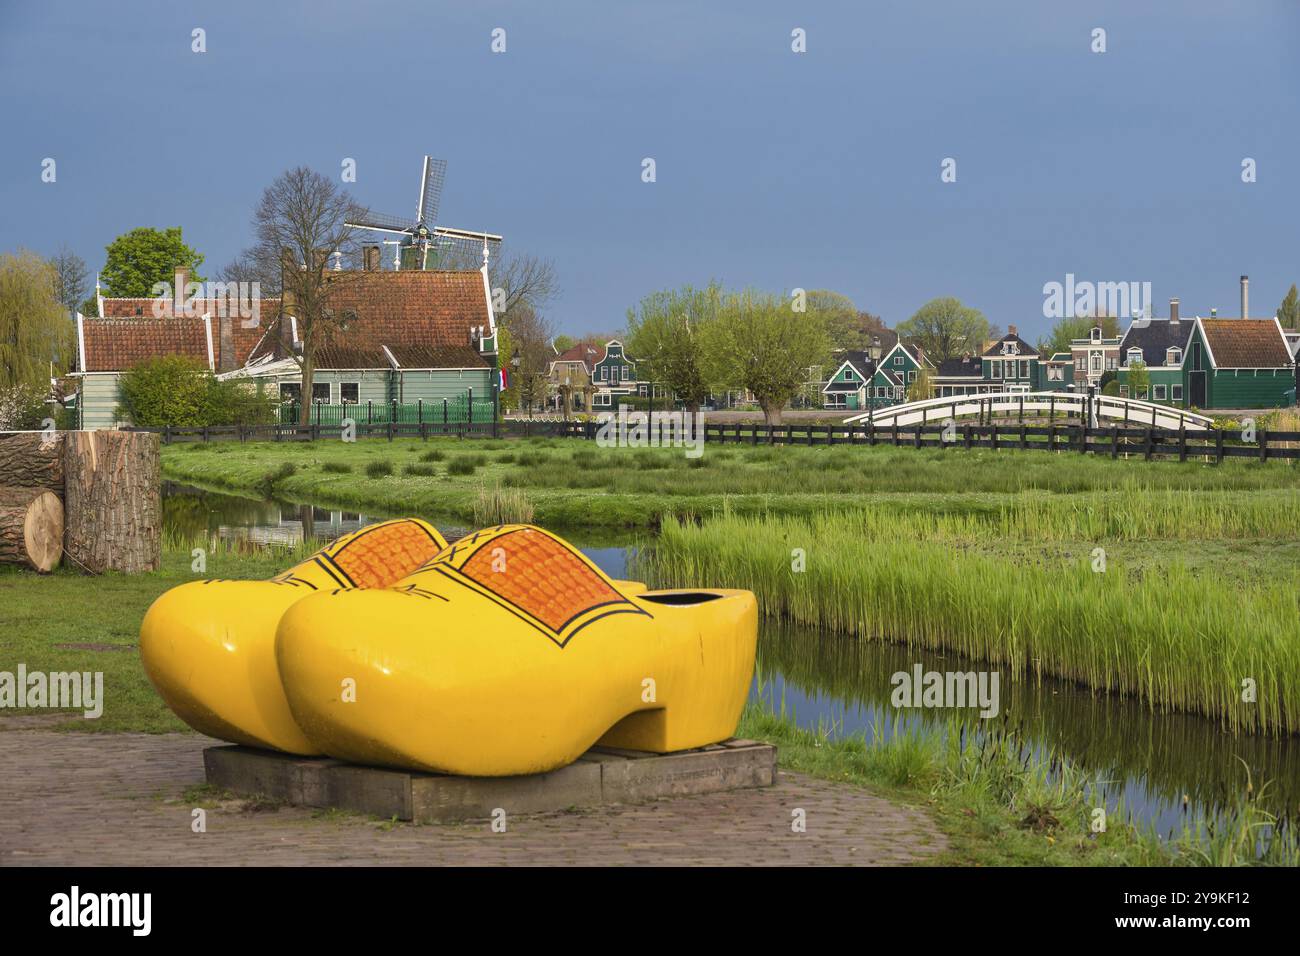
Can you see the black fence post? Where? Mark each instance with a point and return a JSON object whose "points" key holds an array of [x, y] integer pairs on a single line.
{"points": [[1114, 441], [1218, 446], [469, 413], [1263, 445]]}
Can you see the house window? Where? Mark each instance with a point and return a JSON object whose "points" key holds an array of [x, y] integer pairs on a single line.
{"points": [[1158, 392], [1123, 391], [320, 392], [880, 391], [1175, 393], [289, 393], [1095, 334], [602, 398], [1111, 362], [1174, 356], [995, 369], [1024, 368], [349, 393], [1142, 395], [627, 373], [911, 376], [1134, 355], [1096, 361], [898, 360]]}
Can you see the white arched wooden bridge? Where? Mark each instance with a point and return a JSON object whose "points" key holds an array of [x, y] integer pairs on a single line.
{"points": [[1085, 408]]}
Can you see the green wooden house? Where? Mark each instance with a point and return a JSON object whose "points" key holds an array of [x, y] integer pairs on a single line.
{"points": [[1009, 365], [1213, 363], [413, 339]]}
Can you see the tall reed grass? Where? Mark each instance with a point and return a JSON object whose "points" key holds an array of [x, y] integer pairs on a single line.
{"points": [[1174, 640]]}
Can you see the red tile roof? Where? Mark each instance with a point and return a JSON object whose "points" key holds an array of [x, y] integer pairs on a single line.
{"points": [[246, 334], [112, 345], [1246, 343], [425, 318], [589, 353], [428, 308]]}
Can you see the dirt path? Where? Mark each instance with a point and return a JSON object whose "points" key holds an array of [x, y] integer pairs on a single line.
{"points": [[117, 799]]}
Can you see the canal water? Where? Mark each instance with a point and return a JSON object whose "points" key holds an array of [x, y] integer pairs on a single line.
{"points": [[1159, 767]]}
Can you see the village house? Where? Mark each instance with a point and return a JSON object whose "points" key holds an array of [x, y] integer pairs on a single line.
{"points": [[1093, 356], [418, 337], [592, 374], [864, 381], [1009, 365], [1209, 363]]}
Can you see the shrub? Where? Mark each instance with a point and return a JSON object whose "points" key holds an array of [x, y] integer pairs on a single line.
{"points": [[434, 455], [462, 466], [379, 469], [420, 471], [337, 468], [181, 391]]}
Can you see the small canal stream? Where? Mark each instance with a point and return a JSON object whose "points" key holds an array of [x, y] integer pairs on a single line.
{"points": [[1157, 766]]}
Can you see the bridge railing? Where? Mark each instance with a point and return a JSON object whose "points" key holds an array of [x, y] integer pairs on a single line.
{"points": [[1070, 404]]}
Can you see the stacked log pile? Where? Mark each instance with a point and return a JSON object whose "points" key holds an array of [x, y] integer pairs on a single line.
{"points": [[91, 498]]}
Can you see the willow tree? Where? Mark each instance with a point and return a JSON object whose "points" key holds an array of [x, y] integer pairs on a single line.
{"points": [[36, 338], [759, 342], [666, 337]]}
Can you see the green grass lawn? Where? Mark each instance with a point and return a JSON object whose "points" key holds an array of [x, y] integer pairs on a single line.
{"points": [[573, 483]]}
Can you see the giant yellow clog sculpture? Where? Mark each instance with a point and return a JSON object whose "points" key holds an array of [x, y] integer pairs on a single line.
{"points": [[209, 646], [511, 653]]}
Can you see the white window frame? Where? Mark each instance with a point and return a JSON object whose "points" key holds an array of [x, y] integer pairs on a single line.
{"points": [[1158, 393], [357, 400]]}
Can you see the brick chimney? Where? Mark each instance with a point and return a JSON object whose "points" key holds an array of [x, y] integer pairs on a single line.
{"points": [[370, 258], [1245, 297], [226, 339], [1173, 309], [1011, 330], [179, 281]]}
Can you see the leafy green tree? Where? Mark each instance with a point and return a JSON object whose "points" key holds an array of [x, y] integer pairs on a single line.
{"points": [[509, 397], [946, 329], [563, 343], [1078, 327], [847, 325], [666, 335], [1139, 379], [140, 259], [34, 329], [921, 387], [758, 342], [1288, 312]]}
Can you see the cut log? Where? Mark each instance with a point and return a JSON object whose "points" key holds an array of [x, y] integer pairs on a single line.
{"points": [[31, 460], [112, 501], [31, 528]]}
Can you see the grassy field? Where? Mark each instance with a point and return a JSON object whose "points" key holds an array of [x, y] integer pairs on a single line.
{"points": [[1166, 633], [572, 483]]}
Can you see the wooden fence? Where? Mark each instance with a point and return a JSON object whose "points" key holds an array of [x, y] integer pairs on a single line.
{"points": [[1114, 441]]}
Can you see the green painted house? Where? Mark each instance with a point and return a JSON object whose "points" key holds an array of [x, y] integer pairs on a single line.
{"points": [[413, 338], [1009, 365], [862, 382], [1209, 363]]}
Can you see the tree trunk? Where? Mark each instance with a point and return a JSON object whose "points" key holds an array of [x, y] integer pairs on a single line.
{"points": [[112, 501], [304, 399], [32, 460], [771, 413], [31, 528]]}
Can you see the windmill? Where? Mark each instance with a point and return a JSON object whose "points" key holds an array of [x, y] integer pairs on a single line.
{"points": [[423, 243]]}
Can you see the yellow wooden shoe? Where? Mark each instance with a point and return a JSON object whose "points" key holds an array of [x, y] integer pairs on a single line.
{"points": [[209, 646], [511, 653]]}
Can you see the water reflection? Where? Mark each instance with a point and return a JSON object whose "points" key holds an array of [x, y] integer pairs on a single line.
{"points": [[1152, 759]]}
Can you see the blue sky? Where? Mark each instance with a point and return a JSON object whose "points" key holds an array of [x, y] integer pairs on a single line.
{"points": [[775, 169]]}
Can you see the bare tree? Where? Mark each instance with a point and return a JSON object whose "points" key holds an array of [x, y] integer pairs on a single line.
{"points": [[72, 278], [530, 335], [300, 227], [248, 268]]}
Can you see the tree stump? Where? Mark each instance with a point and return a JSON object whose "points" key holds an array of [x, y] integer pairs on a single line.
{"points": [[112, 501], [31, 460], [31, 528]]}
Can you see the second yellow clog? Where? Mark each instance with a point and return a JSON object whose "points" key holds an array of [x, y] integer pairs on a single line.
{"points": [[511, 653]]}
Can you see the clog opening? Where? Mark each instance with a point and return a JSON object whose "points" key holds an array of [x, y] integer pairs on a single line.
{"points": [[680, 598]]}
